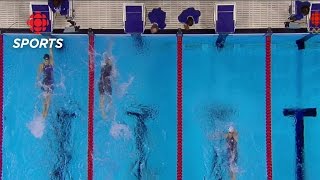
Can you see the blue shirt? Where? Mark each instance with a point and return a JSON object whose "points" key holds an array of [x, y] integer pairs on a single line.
{"points": [[183, 17], [157, 15]]}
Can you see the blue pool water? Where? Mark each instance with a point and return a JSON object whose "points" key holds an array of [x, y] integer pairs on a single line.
{"points": [[220, 88], [28, 157]]}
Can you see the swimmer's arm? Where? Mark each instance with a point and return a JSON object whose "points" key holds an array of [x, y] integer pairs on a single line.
{"points": [[113, 73], [236, 136], [51, 56], [39, 71]]}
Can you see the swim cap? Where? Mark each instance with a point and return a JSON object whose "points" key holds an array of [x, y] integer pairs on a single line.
{"points": [[231, 129], [46, 56]]}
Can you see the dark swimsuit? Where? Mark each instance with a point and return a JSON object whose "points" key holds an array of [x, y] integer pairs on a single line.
{"points": [[232, 150], [105, 82], [47, 82]]}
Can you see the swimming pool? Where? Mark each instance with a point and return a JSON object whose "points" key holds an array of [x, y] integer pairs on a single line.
{"points": [[219, 88]]}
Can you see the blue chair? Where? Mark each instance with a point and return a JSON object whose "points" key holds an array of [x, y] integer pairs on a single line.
{"points": [[43, 8], [134, 16], [225, 18]]}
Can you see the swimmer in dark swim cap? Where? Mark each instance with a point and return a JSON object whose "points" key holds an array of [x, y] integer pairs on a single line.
{"points": [[232, 150], [46, 71], [104, 85]]}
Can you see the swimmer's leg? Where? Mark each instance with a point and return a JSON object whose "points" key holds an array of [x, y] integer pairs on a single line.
{"points": [[109, 101], [46, 104], [232, 170], [233, 176], [103, 113], [108, 90]]}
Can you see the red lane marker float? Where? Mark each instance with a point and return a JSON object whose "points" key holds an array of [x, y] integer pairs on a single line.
{"points": [[268, 106], [90, 105], [179, 105]]}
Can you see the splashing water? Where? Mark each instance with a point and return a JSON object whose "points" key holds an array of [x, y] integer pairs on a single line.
{"points": [[111, 111], [123, 87], [37, 126], [118, 131], [62, 80]]}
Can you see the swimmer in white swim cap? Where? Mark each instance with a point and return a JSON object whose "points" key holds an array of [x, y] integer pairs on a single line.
{"points": [[232, 149], [231, 129]]}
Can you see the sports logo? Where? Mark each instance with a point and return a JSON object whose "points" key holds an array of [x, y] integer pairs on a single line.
{"points": [[38, 22]]}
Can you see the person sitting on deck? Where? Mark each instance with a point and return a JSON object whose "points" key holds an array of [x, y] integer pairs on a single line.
{"points": [[189, 17], [61, 6], [157, 18], [302, 9]]}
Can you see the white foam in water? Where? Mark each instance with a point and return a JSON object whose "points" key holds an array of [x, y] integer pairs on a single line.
{"points": [[234, 168], [123, 88], [36, 126], [61, 83], [110, 111], [118, 131], [108, 106], [214, 135]]}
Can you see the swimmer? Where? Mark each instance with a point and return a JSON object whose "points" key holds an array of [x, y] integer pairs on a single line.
{"points": [[104, 84], [46, 71], [232, 149]]}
